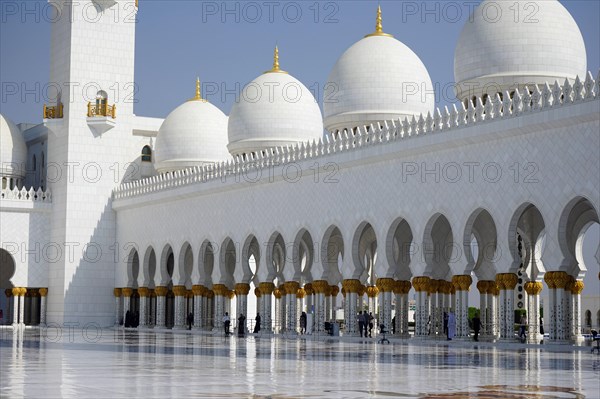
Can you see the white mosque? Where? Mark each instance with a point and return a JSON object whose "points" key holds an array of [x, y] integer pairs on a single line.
{"points": [[379, 199]]}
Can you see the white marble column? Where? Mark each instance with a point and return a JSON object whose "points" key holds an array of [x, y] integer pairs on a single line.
{"points": [[321, 287], [401, 289], [291, 298], [334, 290], [482, 287], [266, 290], [308, 288], [161, 305], [533, 289], [386, 287], [198, 291], [43, 293], [144, 299], [421, 285], [241, 293], [118, 302], [127, 292], [505, 305], [576, 290], [220, 291], [462, 284], [180, 294], [19, 305]]}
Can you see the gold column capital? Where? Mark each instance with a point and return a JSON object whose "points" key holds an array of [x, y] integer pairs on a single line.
{"points": [[43, 291], [161, 291], [198, 290], [257, 292], [8, 292], [482, 286], [561, 279], [266, 288], [291, 287], [462, 282], [577, 287], [334, 290], [385, 284], [117, 292], [220, 290], [277, 293], [301, 293], [320, 286], [372, 291], [242, 289], [421, 283], [127, 292], [533, 287], [144, 292], [352, 286], [308, 287]]}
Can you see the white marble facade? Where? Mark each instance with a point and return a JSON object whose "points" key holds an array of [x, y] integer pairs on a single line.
{"points": [[384, 203]]}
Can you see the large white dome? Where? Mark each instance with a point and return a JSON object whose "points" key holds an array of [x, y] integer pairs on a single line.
{"points": [[275, 109], [508, 44], [378, 78], [194, 134], [13, 150]]}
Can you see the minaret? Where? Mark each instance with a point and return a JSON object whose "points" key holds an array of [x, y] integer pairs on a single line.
{"points": [[90, 150]]}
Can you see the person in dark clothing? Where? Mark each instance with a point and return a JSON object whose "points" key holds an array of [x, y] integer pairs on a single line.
{"points": [[303, 323], [226, 323], [361, 323], [241, 325], [257, 325], [370, 319], [394, 325], [446, 323], [128, 319], [190, 320], [476, 326]]}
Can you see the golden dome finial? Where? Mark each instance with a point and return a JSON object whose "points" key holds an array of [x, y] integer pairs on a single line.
{"points": [[198, 96], [379, 25], [276, 62]]}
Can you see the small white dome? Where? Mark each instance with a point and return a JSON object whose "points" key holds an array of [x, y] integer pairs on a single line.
{"points": [[13, 150], [275, 109], [508, 44], [378, 78], [194, 134]]}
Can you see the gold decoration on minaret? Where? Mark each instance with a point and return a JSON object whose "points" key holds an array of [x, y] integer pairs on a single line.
{"points": [[198, 96], [276, 68], [379, 26]]}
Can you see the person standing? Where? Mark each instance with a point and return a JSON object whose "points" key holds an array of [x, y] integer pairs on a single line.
{"points": [[369, 320], [523, 328], [476, 326], [361, 323], [190, 320], [303, 323], [257, 325], [241, 325], [226, 323], [542, 325], [451, 326], [446, 324]]}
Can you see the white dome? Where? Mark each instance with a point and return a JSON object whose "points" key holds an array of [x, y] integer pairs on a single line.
{"points": [[194, 134], [500, 49], [13, 151], [275, 109], [378, 78]]}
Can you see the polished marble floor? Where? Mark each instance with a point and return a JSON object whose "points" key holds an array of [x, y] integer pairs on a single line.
{"points": [[131, 364]]}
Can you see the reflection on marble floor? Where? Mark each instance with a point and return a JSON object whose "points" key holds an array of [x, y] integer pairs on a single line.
{"points": [[124, 364]]}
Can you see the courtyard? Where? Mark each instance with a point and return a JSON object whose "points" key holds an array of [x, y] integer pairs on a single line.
{"points": [[117, 363]]}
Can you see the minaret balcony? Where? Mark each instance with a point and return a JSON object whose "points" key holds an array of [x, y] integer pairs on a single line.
{"points": [[55, 112], [53, 117], [101, 117]]}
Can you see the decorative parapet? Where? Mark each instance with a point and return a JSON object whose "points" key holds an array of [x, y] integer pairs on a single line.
{"points": [[53, 112], [494, 108], [100, 110], [23, 194]]}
